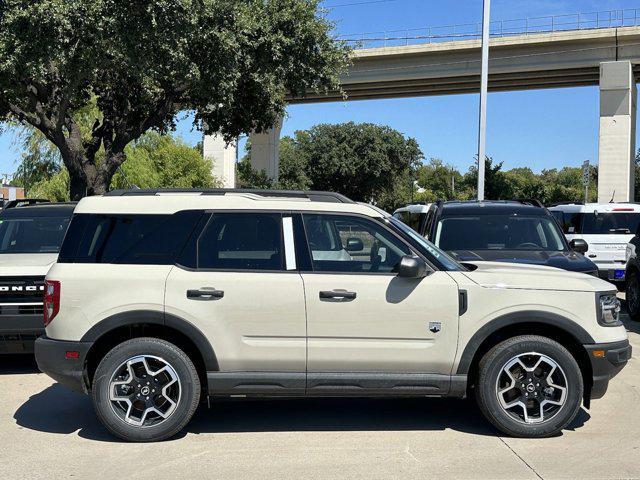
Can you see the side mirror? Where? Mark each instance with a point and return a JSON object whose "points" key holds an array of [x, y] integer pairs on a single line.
{"points": [[354, 244], [412, 267], [579, 245]]}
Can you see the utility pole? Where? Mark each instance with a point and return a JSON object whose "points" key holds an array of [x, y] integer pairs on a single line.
{"points": [[484, 80], [586, 176]]}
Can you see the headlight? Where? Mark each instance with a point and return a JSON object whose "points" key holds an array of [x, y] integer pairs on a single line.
{"points": [[608, 310]]}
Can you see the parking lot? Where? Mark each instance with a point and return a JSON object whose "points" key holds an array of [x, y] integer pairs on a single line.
{"points": [[49, 432]]}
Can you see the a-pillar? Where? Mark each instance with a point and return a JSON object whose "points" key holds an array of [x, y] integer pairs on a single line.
{"points": [[265, 151], [617, 138], [224, 159]]}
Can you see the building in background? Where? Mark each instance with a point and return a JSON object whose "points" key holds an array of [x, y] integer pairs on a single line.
{"points": [[9, 192]]}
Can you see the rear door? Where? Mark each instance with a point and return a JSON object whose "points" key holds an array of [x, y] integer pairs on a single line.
{"points": [[242, 290]]}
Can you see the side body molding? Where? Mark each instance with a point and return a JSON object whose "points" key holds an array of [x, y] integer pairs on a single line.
{"points": [[572, 328], [151, 317]]}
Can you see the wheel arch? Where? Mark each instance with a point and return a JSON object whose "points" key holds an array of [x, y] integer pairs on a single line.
{"points": [[148, 323], [566, 332]]}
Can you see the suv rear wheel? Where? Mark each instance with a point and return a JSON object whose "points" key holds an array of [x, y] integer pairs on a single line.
{"points": [[529, 386], [145, 389], [632, 295]]}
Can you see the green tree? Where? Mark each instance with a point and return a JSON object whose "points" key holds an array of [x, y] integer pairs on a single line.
{"points": [[153, 161], [364, 161], [439, 181], [39, 159], [496, 184], [141, 62]]}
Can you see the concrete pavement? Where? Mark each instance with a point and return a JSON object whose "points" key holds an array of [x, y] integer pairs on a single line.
{"points": [[49, 432]]}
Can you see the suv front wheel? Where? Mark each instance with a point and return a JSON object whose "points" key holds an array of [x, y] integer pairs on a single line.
{"points": [[145, 390], [633, 295], [529, 386]]}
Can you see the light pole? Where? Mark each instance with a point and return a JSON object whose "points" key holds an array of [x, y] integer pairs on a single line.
{"points": [[484, 80]]}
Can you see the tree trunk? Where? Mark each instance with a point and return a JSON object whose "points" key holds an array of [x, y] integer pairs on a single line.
{"points": [[86, 179]]}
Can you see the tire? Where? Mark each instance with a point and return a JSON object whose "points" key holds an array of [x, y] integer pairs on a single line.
{"points": [[632, 295], [544, 384], [156, 386]]}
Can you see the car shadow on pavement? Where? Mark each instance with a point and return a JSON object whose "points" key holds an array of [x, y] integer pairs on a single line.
{"points": [[58, 410], [18, 364]]}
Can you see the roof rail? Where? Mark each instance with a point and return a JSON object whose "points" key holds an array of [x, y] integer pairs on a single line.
{"points": [[24, 202], [530, 201], [555, 204], [314, 196]]}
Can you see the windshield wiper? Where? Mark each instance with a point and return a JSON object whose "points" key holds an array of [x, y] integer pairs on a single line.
{"points": [[619, 230]]}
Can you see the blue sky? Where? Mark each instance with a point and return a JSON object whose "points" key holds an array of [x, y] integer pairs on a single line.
{"points": [[536, 128]]}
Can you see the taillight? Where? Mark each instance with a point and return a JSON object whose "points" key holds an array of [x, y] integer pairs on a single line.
{"points": [[51, 300]]}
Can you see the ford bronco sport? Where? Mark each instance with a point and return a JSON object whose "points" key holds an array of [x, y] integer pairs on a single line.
{"points": [[160, 298], [31, 232]]}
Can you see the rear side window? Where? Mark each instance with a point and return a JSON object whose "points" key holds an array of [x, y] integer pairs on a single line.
{"points": [[129, 239], [242, 241]]}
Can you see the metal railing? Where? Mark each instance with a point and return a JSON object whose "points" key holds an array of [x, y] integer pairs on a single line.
{"points": [[499, 28]]}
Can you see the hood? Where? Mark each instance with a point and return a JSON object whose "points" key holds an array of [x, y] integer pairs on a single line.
{"points": [[567, 260], [533, 277], [26, 264]]}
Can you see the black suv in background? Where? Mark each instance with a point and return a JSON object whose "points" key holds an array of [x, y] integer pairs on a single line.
{"points": [[519, 231], [632, 276], [31, 232]]}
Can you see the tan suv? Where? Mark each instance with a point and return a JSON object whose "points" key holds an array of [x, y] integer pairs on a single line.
{"points": [[160, 298]]}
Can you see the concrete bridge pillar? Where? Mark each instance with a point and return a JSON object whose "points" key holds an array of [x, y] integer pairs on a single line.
{"points": [[265, 151], [617, 137], [223, 157]]}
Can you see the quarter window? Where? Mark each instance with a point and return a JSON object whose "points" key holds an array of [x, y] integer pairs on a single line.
{"points": [[242, 241], [350, 244], [130, 239]]}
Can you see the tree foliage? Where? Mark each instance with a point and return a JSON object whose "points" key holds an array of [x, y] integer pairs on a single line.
{"points": [[141, 62], [364, 161], [153, 161]]}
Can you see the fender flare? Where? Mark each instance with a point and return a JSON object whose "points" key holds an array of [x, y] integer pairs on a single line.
{"points": [[152, 317], [546, 318]]}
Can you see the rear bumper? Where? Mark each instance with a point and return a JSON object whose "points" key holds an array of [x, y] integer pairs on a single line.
{"points": [[18, 332], [607, 359], [51, 356]]}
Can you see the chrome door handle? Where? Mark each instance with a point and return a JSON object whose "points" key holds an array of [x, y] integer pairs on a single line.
{"points": [[340, 294], [205, 294]]}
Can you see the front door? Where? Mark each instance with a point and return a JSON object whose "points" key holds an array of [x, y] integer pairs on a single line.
{"points": [[365, 323]]}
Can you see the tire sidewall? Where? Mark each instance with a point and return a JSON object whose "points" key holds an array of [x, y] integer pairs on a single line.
{"points": [[633, 283], [495, 361], [189, 395]]}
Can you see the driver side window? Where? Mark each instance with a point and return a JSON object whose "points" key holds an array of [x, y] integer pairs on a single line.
{"points": [[340, 243]]}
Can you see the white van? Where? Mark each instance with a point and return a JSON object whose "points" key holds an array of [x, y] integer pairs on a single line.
{"points": [[606, 227], [414, 215]]}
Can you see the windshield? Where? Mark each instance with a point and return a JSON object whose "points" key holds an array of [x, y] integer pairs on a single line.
{"points": [[440, 257], [32, 235], [499, 232]]}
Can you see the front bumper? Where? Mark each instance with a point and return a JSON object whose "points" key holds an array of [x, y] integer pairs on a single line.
{"points": [[18, 332], [53, 359], [607, 359], [612, 274]]}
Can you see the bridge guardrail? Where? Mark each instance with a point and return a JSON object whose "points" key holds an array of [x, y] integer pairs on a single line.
{"points": [[498, 28]]}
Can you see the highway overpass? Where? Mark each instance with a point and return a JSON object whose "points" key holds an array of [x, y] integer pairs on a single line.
{"points": [[608, 57]]}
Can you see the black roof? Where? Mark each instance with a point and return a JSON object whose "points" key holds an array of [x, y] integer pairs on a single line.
{"points": [[493, 207], [52, 209]]}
